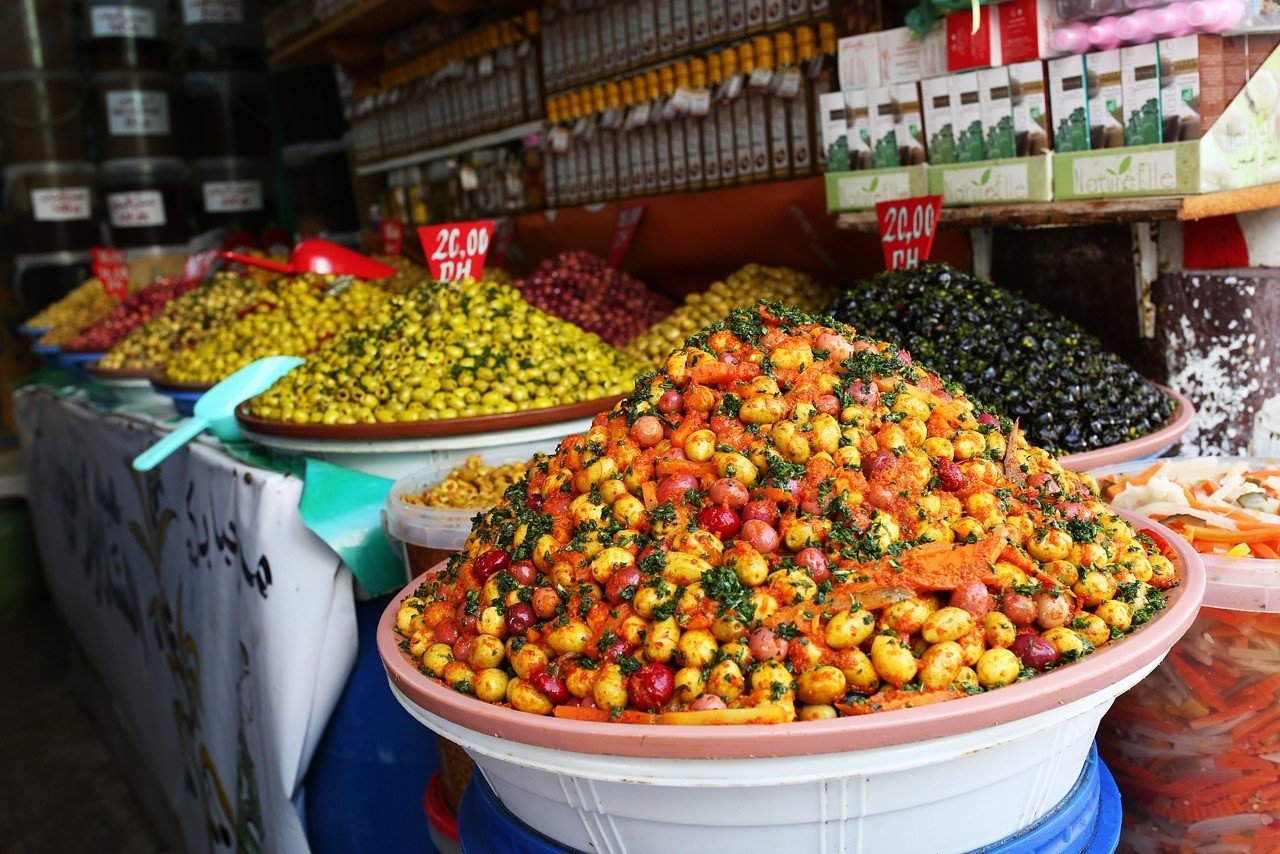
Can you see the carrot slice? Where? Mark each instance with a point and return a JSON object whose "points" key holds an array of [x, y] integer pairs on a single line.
{"points": [[582, 713], [1198, 683]]}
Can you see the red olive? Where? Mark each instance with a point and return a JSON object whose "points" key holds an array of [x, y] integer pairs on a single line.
{"points": [[652, 686], [624, 577], [972, 596], [1034, 651], [523, 571], [815, 561], [721, 521], [950, 477], [520, 618], [494, 560], [553, 686]]}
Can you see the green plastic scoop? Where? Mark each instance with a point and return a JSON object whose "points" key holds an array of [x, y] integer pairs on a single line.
{"points": [[216, 408]]}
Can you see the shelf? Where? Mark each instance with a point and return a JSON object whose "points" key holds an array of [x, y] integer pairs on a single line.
{"points": [[484, 140], [349, 34], [1092, 212]]}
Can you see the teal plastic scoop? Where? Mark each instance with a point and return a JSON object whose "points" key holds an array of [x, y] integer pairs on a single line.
{"points": [[216, 408]]}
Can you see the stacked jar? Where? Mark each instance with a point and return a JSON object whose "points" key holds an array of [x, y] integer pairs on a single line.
{"points": [[227, 122], [141, 170], [48, 179]]}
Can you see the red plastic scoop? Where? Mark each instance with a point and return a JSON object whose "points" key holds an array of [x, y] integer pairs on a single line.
{"points": [[320, 256]]}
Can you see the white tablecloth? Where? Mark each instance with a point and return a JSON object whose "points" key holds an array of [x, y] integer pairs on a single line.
{"points": [[224, 629]]}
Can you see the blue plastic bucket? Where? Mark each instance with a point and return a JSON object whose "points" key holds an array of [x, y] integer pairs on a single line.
{"points": [[364, 787], [75, 362], [183, 401], [1086, 821]]}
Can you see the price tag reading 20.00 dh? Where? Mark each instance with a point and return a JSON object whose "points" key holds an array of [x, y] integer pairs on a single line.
{"points": [[456, 250], [907, 229]]}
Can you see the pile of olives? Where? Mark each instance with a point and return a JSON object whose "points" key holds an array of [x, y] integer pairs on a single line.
{"points": [[86, 304], [292, 318], [467, 349], [1069, 393], [753, 282]]}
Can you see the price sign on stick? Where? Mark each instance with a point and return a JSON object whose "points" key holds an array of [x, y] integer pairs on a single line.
{"points": [[624, 231], [907, 229], [392, 236], [456, 250], [112, 269]]}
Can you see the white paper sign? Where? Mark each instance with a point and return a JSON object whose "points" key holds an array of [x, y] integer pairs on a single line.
{"points": [[212, 11], [136, 209], [232, 196], [137, 112], [134, 22], [60, 204]]}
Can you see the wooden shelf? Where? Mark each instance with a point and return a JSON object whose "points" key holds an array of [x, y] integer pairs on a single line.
{"points": [[352, 33], [462, 146], [1092, 212]]}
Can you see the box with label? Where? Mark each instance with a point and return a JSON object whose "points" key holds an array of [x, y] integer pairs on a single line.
{"points": [[833, 125], [1030, 108], [899, 56], [1009, 180], [859, 191], [1068, 103], [933, 50], [966, 112], [1025, 28], [968, 49], [1194, 88], [1106, 99], [858, 60], [1140, 79], [996, 103], [857, 112], [939, 125], [909, 123], [884, 127]]}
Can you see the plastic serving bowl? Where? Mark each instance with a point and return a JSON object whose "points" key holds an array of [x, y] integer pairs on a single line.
{"points": [[427, 535], [949, 777], [1148, 447]]}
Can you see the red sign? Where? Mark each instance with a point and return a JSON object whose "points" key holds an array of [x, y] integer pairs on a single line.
{"points": [[392, 236], [907, 229], [504, 234], [456, 250], [624, 231], [112, 269], [198, 264]]}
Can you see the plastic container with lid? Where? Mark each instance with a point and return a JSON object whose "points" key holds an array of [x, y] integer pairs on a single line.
{"points": [[146, 201], [42, 116], [53, 205], [223, 34], [127, 34], [1193, 746], [136, 114], [227, 114], [231, 193]]}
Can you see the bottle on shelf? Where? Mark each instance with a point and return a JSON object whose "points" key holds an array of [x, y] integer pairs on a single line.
{"points": [[705, 110], [659, 95], [673, 113], [757, 71], [648, 137], [621, 144], [632, 95], [791, 87], [739, 95], [691, 122], [721, 66], [821, 71], [594, 142], [608, 144]]}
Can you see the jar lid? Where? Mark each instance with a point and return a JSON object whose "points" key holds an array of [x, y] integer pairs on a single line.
{"points": [[129, 169], [71, 168], [133, 78], [230, 167]]}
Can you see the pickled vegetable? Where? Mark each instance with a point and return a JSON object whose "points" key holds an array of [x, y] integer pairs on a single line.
{"points": [[87, 303], [472, 484], [135, 310]]}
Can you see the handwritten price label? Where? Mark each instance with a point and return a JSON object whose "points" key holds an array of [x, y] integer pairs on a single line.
{"points": [[392, 236], [624, 231], [907, 229], [456, 250], [198, 265], [112, 269]]}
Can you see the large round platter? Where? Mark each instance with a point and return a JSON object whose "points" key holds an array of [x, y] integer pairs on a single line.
{"points": [[33, 332], [1151, 445], [424, 429], [168, 386], [1097, 673], [121, 377]]}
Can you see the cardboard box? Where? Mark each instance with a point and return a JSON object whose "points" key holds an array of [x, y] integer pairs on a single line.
{"points": [[884, 127], [966, 110], [1068, 103], [933, 51], [857, 111], [857, 191], [1194, 90], [967, 49], [1106, 99], [833, 125], [1030, 108], [858, 59], [1009, 180], [996, 102], [899, 56], [1140, 78], [1025, 28], [939, 124], [909, 124]]}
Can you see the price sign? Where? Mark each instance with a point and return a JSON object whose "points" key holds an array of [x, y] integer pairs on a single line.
{"points": [[198, 264], [392, 236], [624, 231], [907, 229], [112, 269], [456, 250], [504, 233]]}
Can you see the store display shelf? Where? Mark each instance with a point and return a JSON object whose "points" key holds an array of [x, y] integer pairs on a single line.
{"points": [[1090, 212], [343, 35], [462, 146]]}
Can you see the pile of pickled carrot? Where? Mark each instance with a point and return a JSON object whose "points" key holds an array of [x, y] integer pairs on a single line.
{"points": [[1196, 746], [1229, 508]]}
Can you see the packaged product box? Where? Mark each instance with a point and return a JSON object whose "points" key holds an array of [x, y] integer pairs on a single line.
{"points": [[966, 111], [899, 56], [939, 124], [1106, 99], [1140, 79], [883, 122], [1193, 91], [1030, 108], [909, 123], [1068, 103], [857, 111], [858, 59], [996, 103], [1025, 28], [967, 49], [933, 51], [832, 128]]}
